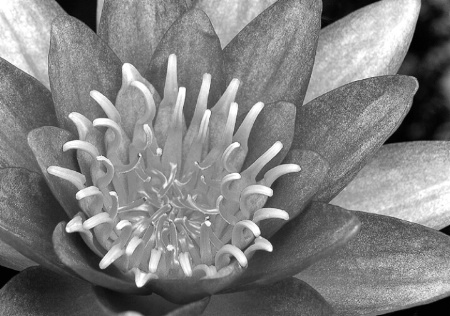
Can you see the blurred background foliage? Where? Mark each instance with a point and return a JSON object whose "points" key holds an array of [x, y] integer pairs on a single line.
{"points": [[428, 60]]}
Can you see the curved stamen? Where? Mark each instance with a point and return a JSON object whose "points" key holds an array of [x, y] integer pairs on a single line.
{"points": [[76, 178], [224, 254], [106, 105]]}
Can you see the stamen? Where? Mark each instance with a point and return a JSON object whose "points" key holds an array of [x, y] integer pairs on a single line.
{"points": [[155, 257], [237, 238], [244, 130], [112, 255], [106, 105], [96, 220], [141, 278], [260, 244], [76, 178], [150, 109], [82, 124], [249, 192], [81, 145], [103, 182], [257, 166], [185, 263], [278, 171], [267, 213], [115, 144], [224, 254], [205, 244]]}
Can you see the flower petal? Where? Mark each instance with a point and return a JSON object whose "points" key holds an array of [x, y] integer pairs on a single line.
{"points": [[276, 122], [293, 192], [29, 214], [193, 39], [274, 54], [133, 28], [12, 259], [410, 181], [230, 17], [74, 253], [78, 63], [38, 291], [147, 305], [287, 297], [25, 35], [46, 143], [314, 234], [347, 125], [390, 265], [369, 42], [24, 104]]}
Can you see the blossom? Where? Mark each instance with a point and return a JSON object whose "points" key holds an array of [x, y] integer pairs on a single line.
{"points": [[132, 176]]}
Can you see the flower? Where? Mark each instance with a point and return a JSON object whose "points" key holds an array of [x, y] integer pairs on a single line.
{"points": [[356, 262]]}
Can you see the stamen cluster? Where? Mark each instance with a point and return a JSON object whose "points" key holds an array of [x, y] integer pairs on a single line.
{"points": [[160, 200]]}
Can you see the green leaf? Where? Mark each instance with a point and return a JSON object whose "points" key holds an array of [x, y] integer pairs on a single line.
{"points": [[390, 265], [41, 292], [369, 42], [193, 39], [347, 125], [287, 297], [12, 259], [274, 54], [293, 192], [276, 122], [79, 62], [313, 235], [25, 36], [24, 104], [28, 216], [46, 143], [410, 181], [133, 28], [230, 17]]}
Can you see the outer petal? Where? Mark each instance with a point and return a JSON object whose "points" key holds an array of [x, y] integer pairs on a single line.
{"points": [[78, 63], [347, 125], [274, 54], [369, 42], [287, 297], [46, 143], [193, 39], [28, 215], [390, 265], [25, 35], [276, 122], [12, 259], [133, 28], [410, 181], [314, 234], [230, 17], [40, 292], [148, 305], [24, 104], [293, 192]]}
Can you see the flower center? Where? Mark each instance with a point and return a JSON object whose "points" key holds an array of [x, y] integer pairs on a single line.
{"points": [[159, 200]]}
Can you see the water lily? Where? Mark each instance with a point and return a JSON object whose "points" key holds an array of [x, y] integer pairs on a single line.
{"points": [[168, 164]]}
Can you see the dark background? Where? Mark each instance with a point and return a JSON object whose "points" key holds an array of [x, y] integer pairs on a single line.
{"points": [[428, 60]]}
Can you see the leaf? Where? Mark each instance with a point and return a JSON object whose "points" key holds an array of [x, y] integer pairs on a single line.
{"points": [[230, 17], [313, 235], [28, 215], [274, 54], [193, 40], [79, 62], [390, 265], [287, 297], [369, 42], [24, 104], [133, 28], [347, 125], [410, 181], [25, 35]]}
